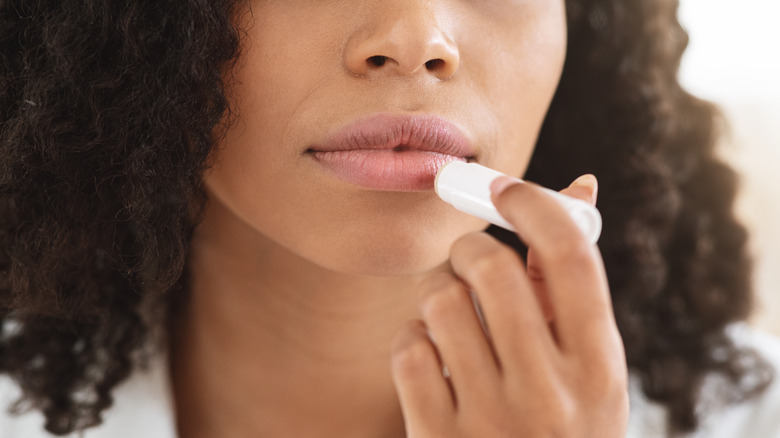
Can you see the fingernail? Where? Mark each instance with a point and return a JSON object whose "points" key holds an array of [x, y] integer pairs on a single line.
{"points": [[589, 182], [500, 184]]}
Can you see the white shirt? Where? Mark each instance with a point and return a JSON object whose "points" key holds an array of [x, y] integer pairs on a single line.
{"points": [[144, 408]]}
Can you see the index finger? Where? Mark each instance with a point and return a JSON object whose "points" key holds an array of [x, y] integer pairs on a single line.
{"points": [[572, 267]]}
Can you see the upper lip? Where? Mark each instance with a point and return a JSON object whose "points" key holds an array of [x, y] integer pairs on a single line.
{"points": [[397, 131]]}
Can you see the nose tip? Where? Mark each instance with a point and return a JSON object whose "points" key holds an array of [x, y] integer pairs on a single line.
{"points": [[403, 48]]}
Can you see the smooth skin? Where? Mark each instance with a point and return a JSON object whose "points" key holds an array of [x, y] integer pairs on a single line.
{"points": [[562, 379], [311, 299]]}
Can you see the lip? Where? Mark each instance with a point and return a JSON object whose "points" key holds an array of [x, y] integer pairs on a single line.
{"points": [[392, 152]]}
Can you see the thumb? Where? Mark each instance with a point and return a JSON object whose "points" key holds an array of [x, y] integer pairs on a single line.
{"points": [[585, 188]]}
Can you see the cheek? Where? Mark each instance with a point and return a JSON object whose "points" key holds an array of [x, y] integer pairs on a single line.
{"points": [[522, 68]]}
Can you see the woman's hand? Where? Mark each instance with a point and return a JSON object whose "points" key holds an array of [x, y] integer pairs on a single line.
{"points": [[527, 378]]}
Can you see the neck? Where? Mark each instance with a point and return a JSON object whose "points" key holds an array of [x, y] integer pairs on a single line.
{"points": [[272, 345]]}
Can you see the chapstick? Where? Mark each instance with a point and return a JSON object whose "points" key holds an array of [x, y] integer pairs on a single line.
{"points": [[466, 186]]}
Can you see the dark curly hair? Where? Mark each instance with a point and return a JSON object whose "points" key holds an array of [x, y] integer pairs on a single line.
{"points": [[108, 114]]}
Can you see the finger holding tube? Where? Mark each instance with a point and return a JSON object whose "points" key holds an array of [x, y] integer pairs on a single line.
{"points": [[466, 186]]}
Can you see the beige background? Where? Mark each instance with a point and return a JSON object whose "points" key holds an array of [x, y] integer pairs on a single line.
{"points": [[734, 60]]}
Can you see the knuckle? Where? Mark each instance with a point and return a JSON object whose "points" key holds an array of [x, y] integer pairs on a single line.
{"points": [[559, 416], [605, 378], [464, 247], [568, 416], [606, 384], [412, 357], [611, 398], [557, 407], [443, 300], [436, 281], [564, 405], [489, 260], [613, 380], [567, 248], [610, 358]]}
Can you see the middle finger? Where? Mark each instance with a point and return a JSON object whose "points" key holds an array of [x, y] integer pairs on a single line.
{"points": [[455, 329], [513, 314]]}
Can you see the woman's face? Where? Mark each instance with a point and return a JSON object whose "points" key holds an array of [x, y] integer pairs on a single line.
{"points": [[347, 107]]}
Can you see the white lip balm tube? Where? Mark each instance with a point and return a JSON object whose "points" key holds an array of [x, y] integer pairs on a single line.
{"points": [[466, 186]]}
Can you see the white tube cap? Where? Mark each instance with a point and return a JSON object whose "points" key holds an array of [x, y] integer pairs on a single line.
{"points": [[466, 186]]}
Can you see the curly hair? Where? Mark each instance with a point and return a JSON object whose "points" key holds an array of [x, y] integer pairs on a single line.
{"points": [[108, 114]]}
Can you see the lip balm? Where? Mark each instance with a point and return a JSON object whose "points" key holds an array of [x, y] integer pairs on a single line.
{"points": [[466, 186]]}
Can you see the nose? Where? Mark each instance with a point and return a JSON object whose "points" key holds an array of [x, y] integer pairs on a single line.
{"points": [[402, 38]]}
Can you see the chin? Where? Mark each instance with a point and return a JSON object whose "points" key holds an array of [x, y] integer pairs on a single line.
{"points": [[388, 253]]}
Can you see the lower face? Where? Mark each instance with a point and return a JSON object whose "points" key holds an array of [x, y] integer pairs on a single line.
{"points": [[316, 75]]}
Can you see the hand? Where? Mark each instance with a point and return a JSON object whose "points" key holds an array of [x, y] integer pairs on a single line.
{"points": [[527, 377]]}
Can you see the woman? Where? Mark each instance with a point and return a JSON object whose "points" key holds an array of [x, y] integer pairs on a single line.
{"points": [[239, 195]]}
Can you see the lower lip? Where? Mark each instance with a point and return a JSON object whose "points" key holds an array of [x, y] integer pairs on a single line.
{"points": [[385, 169]]}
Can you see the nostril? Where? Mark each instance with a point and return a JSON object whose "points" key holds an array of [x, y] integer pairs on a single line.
{"points": [[377, 61], [434, 64]]}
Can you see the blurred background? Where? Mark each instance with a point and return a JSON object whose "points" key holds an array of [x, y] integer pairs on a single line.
{"points": [[733, 59]]}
